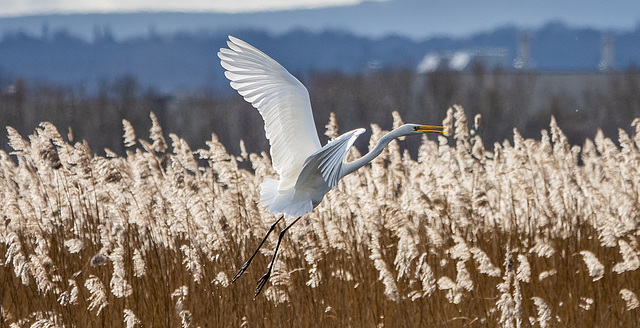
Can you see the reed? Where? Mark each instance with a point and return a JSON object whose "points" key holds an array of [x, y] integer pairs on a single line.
{"points": [[527, 233]]}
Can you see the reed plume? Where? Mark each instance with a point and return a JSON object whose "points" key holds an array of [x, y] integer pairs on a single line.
{"points": [[151, 238]]}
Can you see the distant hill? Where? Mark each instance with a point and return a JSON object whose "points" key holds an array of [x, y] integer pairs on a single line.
{"points": [[187, 60]]}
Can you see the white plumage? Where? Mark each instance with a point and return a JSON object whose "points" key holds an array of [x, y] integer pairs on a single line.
{"points": [[282, 101], [307, 171]]}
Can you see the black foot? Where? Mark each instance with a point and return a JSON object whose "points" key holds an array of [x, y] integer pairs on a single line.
{"points": [[261, 283]]}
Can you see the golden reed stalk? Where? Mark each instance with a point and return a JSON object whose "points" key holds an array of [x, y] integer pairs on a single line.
{"points": [[530, 233]]}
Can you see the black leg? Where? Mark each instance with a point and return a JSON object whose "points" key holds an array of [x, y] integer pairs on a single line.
{"points": [[246, 264], [266, 276]]}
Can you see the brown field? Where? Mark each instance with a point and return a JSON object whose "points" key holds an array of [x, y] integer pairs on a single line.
{"points": [[529, 234]]}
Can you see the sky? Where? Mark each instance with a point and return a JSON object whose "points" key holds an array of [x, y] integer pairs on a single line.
{"points": [[29, 7], [417, 19]]}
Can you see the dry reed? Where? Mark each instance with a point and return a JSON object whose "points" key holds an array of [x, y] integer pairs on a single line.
{"points": [[531, 233]]}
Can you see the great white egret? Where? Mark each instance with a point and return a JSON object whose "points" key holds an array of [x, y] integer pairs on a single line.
{"points": [[307, 171]]}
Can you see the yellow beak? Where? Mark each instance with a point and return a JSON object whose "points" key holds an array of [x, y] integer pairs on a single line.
{"points": [[430, 129]]}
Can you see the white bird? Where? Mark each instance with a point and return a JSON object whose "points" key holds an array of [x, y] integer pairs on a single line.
{"points": [[307, 171]]}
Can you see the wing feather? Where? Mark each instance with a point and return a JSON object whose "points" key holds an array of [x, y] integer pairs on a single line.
{"points": [[282, 101], [330, 158]]}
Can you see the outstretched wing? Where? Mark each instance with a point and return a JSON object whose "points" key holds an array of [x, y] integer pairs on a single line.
{"points": [[282, 101], [328, 160]]}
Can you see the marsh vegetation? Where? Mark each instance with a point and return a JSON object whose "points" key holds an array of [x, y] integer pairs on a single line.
{"points": [[526, 232]]}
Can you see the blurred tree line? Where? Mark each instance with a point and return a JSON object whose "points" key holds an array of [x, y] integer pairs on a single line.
{"points": [[581, 102]]}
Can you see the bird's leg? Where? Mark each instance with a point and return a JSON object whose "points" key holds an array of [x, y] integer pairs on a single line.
{"points": [[266, 276], [246, 264]]}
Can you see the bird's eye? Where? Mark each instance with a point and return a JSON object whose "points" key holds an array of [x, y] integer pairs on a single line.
{"points": [[415, 128]]}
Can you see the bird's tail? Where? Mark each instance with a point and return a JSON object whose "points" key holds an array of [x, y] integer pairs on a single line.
{"points": [[269, 191], [283, 201]]}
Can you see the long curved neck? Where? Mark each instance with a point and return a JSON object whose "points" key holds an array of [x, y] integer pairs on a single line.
{"points": [[362, 161]]}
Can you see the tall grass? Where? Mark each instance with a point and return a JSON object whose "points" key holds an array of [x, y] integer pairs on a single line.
{"points": [[532, 233]]}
